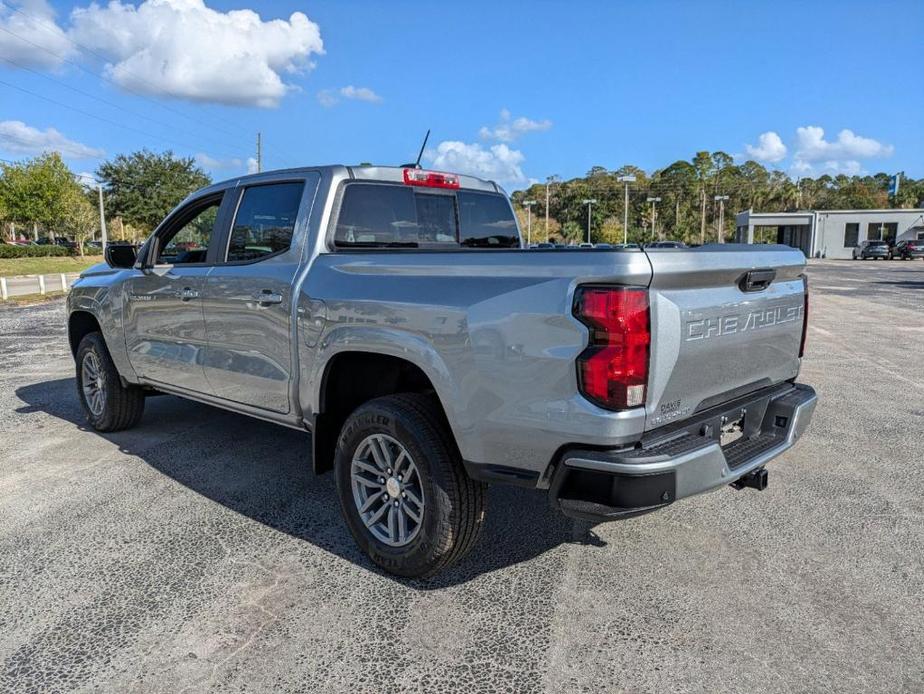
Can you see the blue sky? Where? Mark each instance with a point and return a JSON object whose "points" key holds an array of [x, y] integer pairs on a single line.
{"points": [[516, 91]]}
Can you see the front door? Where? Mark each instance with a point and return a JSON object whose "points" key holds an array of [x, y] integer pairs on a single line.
{"points": [[164, 327], [248, 295]]}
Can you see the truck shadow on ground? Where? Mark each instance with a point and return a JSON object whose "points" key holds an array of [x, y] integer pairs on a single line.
{"points": [[263, 472]]}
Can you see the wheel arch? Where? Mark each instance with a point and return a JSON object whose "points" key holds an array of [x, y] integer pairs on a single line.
{"points": [[352, 377], [80, 324]]}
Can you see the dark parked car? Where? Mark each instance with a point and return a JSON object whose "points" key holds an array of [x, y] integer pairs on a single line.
{"points": [[666, 244], [874, 249], [909, 249]]}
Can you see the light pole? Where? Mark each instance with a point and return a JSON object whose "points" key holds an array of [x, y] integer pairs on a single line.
{"points": [[627, 179], [653, 202], [721, 230], [589, 202], [548, 181], [528, 204]]}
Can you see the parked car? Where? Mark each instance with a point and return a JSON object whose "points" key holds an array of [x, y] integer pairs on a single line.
{"points": [[394, 315], [874, 249], [908, 249], [666, 244], [603, 245]]}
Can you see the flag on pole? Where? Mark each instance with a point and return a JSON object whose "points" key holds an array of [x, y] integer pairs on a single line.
{"points": [[894, 183]]}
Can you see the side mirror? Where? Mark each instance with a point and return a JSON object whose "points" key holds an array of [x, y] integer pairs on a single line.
{"points": [[121, 257]]}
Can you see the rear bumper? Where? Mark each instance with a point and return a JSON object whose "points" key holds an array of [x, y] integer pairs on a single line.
{"points": [[683, 459]]}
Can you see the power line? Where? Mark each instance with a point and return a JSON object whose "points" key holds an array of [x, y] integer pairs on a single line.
{"points": [[111, 104], [65, 59], [101, 118]]}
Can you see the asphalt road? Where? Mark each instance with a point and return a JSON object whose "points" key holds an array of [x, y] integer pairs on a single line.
{"points": [[197, 553]]}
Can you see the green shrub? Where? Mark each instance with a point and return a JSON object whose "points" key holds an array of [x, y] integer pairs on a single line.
{"points": [[10, 251]]}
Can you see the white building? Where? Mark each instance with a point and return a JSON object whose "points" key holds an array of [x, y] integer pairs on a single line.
{"points": [[828, 233]]}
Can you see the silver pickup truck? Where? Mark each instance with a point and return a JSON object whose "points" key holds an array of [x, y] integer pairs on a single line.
{"points": [[394, 314]]}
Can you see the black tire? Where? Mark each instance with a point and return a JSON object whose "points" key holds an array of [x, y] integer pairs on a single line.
{"points": [[120, 407], [454, 508]]}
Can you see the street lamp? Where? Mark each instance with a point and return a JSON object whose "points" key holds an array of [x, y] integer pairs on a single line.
{"points": [[528, 204], [653, 202], [589, 202], [627, 179], [548, 181], [721, 231]]}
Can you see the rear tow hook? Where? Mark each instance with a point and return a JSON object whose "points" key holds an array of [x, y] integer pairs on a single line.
{"points": [[756, 479]]}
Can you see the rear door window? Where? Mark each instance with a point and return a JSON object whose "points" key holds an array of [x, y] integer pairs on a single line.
{"points": [[265, 221]]}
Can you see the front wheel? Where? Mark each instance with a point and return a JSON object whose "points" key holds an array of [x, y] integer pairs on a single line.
{"points": [[403, 491], [107, 404]]}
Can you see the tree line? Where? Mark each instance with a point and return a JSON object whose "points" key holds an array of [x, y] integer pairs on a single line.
{"points": [[687, 209], [42, 198]]}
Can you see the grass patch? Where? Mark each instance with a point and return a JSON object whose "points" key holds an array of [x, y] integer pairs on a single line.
{"points": [[10, 267], [26, 299]]}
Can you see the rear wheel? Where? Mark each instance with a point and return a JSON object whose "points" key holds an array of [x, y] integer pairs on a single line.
{"points": [[403, 491], [107, 404]]}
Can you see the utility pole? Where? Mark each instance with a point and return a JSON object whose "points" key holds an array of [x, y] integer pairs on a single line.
{"points": [[589, 202], [627, 179], [654, 212], [528, 204], [720, 232], [259, 152], [548, 181]]}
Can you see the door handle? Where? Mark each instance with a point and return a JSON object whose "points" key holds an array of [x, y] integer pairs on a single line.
{"points": [[187, 293], [267, 297]]}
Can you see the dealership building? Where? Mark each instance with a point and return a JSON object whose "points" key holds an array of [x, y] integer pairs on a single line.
{"points": [[828, 233]]}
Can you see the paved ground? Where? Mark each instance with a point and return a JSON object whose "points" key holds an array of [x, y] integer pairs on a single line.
{"points": [[197, 553]]}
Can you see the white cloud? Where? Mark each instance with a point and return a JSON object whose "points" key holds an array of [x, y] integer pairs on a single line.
{"points": [[251, 165], [509, 129], [331, 97], [769, 148], [18, 138], [815, 154], [812, 146], [186, 50], [30, 36], [498, 162]]}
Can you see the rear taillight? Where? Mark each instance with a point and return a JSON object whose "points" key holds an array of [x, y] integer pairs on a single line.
{"points": [[430, 179], [804, 317], [613, 370]]}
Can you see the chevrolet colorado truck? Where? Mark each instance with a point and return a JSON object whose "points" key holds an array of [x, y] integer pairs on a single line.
{"points": [[394, 314]]}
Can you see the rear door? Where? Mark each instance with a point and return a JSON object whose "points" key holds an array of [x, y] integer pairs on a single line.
{"points": [[249, 293], [725, 321]]}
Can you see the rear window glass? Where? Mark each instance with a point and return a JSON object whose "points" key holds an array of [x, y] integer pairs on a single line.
{"points": [[487, 221], [384, 215], [878, 243], [401, 216]]}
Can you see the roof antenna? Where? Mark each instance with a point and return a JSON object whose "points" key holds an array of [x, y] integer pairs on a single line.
{"points": [[416, 164]]}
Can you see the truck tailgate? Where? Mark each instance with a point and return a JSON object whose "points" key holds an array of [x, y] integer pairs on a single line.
{"points": [[714, 336]]}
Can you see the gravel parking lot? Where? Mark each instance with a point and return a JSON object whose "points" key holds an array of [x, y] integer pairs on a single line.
{"points": [[197, 552]]}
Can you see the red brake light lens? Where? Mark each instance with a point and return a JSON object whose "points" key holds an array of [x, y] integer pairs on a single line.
{"points": [[430, 179], [613, 370]]}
